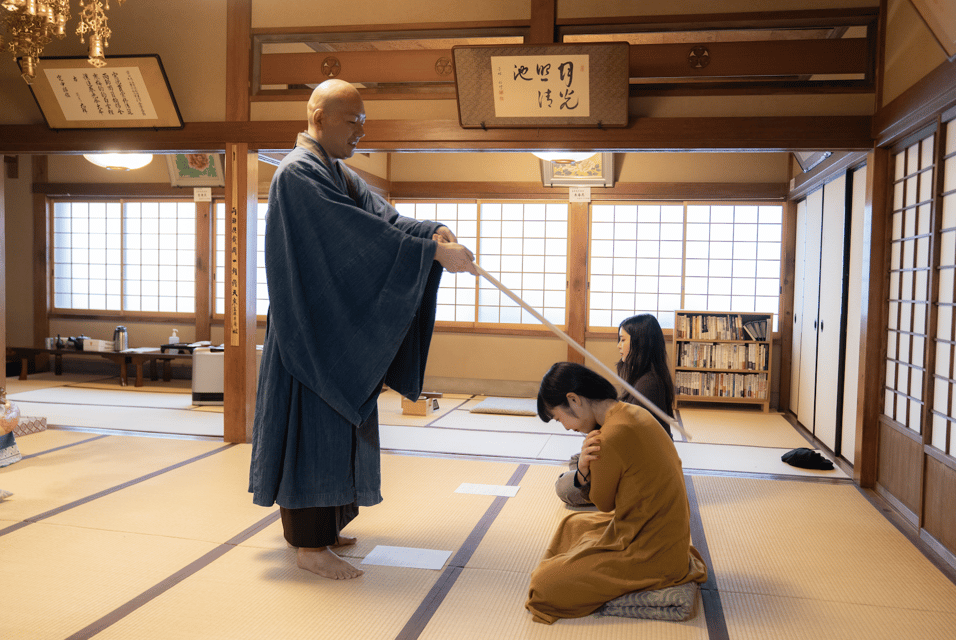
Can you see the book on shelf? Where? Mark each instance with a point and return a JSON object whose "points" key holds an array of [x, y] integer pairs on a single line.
{"points": [[757, 329], [750, 386], [706, 355]]}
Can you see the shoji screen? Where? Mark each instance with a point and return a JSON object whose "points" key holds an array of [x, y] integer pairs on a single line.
{"points": [[909, 279], [943, 435]]}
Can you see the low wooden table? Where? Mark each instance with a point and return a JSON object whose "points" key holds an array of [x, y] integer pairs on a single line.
{"points": [[122, 358]]}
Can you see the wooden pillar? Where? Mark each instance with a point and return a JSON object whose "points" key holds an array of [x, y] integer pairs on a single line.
{"points": [[3, 275], [42, 264], [788, 266], [204, 292], [873, 320], [239, 375], [242, 177], [577, 276]]}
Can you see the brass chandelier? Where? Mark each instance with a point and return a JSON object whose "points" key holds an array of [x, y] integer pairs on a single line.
{"points": [[32, 24]]}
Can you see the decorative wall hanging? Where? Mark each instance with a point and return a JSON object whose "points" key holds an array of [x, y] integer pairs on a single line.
{"points": [[596, 171], [128, 92], [195, 170], [564, 85]]}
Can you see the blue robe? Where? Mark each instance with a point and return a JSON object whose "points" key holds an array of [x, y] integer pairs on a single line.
{"points": [[352, 291]]}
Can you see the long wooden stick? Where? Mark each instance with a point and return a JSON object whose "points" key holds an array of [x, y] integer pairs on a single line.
{"points": [[650, 406]]}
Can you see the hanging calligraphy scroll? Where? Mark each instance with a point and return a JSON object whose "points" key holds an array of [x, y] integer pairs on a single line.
{"points": [[130, 92], [563, 85]]}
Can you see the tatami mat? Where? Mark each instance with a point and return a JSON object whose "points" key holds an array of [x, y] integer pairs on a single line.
{"points": [[497, 422], [104, 396], [743, 427], [487, 604], [53, 479], [815, 552], [121, 418], [422, 490], [59, 579], [176, 385], [178, 551], [390, 409], [519, 535], [214, 514], [745, 459], [758, 617], [462, 441], [254, 594]]}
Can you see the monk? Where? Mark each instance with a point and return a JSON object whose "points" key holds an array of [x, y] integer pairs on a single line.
{"points": [[640, 540], [352, 289]]}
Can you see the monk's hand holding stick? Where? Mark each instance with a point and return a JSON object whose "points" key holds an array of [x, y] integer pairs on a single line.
{"points": [[456, 258], [590, 451]]}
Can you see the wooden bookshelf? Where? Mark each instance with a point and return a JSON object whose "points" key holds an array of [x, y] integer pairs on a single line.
{"points": [[722, 356]]}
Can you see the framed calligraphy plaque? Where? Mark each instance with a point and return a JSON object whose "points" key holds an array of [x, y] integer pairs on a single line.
{"points": [[561, 85], [130, 92]]}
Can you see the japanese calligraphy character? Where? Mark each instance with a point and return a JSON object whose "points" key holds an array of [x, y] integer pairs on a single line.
{"points": [[521, 72], [567, 95], [567, 70]]}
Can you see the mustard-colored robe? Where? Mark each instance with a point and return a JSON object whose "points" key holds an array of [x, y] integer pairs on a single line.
{"points": [[641, 541]]}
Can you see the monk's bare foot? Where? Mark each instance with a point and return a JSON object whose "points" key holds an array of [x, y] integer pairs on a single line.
{"points": [[323, 562]]}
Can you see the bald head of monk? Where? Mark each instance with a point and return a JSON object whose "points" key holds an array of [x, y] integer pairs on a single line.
{"points": [[336, 116]]}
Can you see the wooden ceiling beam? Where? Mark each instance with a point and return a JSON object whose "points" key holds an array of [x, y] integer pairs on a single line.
{"points": [[820, 18], [725, 60], [826, 133]]}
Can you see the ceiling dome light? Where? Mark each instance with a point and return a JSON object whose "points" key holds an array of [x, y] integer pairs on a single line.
{"points": [[120, 161], [564, 157]]}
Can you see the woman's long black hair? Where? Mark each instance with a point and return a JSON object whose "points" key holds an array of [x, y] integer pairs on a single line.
{"points": [[648, 352], [569, 377]]}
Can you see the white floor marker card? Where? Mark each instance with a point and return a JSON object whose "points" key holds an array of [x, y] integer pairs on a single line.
{"points": [[408, 557], [488, 489]]}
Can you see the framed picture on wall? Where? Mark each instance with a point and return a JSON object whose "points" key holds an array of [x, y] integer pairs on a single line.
{"points": [[195, 170], [596, 171], [130, 92]]}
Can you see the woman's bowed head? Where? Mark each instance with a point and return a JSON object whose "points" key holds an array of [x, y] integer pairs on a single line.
{"points": [[575, 396]]}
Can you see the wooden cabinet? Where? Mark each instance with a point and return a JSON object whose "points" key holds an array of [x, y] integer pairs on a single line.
{"points": [[722, 356]]}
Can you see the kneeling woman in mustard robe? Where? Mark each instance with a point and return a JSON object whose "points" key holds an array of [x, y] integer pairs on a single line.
{"points": [[641, 541]]}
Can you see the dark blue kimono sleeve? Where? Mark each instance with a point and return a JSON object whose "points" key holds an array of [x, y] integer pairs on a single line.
{"points": [[346, 286]]}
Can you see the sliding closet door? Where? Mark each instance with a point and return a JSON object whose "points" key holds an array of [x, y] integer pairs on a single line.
{"points": [[807, 371], [830, 315], [854, 309]]}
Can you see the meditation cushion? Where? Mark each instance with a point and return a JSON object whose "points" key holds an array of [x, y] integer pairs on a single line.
{"points": [[508, 406], [673, 603]]}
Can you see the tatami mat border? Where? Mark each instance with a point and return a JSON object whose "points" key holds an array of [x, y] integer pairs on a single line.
{"points": [[419, 620], [122, 611], [710, 595], [106, 492], [66, 446]]}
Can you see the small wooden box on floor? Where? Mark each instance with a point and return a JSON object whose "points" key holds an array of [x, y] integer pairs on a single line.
{"points": [[426, 404]]}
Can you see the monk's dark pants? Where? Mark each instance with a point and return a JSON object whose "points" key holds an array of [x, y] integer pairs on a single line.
{"points": [[315, 526]]}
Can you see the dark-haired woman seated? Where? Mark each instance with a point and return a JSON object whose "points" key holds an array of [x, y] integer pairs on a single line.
{"points": [[643, 364], [641, 539]]}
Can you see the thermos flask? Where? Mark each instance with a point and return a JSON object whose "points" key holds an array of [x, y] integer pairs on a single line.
{"points": [[120, 339]]}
